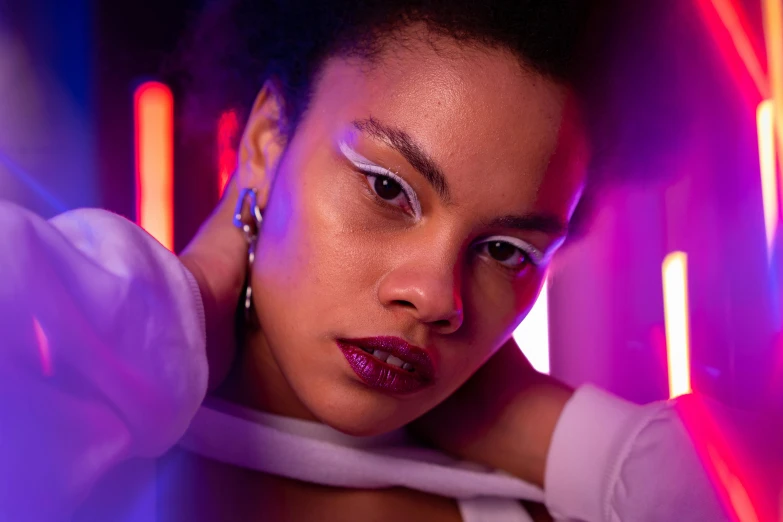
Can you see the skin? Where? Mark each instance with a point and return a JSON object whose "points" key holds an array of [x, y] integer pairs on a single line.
{"points": [[335, 261]]}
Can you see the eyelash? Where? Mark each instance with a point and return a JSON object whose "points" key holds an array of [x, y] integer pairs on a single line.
{"points": [[529, 255]]}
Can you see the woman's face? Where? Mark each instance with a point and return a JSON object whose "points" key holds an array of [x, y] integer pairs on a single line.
{"points": [[412, 217]]}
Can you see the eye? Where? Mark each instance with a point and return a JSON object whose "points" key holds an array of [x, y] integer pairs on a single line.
{"points": [[385, 184], [388, 190], [393, 190], [511, 253]]}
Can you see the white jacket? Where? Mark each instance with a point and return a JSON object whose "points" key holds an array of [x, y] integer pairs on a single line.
{"points": [[102, 360]]}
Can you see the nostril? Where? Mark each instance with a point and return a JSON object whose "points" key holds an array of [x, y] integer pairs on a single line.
{"points": [[441, 321], [403, 303]]}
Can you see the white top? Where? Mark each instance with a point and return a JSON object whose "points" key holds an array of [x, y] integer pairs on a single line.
{"points": [[102, 361], [314, 452]]}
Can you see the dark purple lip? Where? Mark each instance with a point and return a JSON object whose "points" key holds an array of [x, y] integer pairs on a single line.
{"points": [[413, 355], [417, 370]]}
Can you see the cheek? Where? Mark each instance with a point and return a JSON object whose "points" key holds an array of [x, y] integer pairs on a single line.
{"points": [[497, 306], [525, 296], [310, 255]]}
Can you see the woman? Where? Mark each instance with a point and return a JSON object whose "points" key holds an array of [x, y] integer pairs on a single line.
{"points": [[406, 173]]}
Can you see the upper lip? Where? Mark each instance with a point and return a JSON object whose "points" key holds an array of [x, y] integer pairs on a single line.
{"points": [[419, 357]]}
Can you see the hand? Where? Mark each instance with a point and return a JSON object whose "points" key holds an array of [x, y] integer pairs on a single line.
{"points": [[503, 417], [217, 258]]}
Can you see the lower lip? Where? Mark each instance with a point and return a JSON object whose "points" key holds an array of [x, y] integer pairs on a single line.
{"points": [[378, 375]]}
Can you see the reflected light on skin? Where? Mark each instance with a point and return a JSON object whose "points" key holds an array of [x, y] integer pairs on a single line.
{"points": [[227, 133], [769, 182], [43, 349], [154, 120], [532, 335], [675, 307]]}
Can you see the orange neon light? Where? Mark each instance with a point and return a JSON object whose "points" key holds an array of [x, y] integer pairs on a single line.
{"points": [[228, 130], [154, 115], [769, 181], [675, 307]]}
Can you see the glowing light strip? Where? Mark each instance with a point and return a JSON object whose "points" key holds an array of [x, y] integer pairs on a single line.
{"points": [[730, 15], [228, 130], [154, 115], [769, 181], [532, 336], [773, 30], [675, 308]]}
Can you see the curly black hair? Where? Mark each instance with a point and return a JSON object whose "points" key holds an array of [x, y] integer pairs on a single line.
{"points": [[235, 45]]}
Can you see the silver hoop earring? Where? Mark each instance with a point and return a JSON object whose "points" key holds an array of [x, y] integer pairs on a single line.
{"points": [[249, 197]]}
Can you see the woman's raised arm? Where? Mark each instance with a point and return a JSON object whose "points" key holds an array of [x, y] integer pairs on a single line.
{"points": [[102, 355], [599, 458]]}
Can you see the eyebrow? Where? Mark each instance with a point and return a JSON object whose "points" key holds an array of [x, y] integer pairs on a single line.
{"points": [[403, 143], [548, 224]]}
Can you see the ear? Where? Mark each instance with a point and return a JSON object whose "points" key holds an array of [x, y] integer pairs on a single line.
{"points": [[263, 142]]}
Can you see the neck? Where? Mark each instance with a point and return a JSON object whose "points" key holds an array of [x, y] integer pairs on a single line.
{"points": [[256, 381]]}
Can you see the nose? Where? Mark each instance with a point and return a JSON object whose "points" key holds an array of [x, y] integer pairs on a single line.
{"points": [[429, 293]]}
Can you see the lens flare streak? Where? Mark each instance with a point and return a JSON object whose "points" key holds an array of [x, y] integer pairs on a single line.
{"points": [[44, 352], [728, 24]]}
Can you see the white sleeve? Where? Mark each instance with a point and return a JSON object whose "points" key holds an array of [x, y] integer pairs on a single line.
{"points": [[611, 461], [102, 355]]}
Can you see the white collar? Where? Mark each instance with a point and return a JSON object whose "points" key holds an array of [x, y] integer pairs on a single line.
{"points": [[313, 452]]}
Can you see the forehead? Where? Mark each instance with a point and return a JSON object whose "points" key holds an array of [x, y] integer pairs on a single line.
{"points": [[491, 125]]}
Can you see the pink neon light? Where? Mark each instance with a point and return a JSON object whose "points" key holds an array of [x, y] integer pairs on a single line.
{"points": [[737, 494], [43, 349], [228, 130], [154, 115], [725, 462], [728, 24]]}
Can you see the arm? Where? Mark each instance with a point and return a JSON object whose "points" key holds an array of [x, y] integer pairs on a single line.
{"points": [[614, 460], [102, 355], [598, 457]]}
